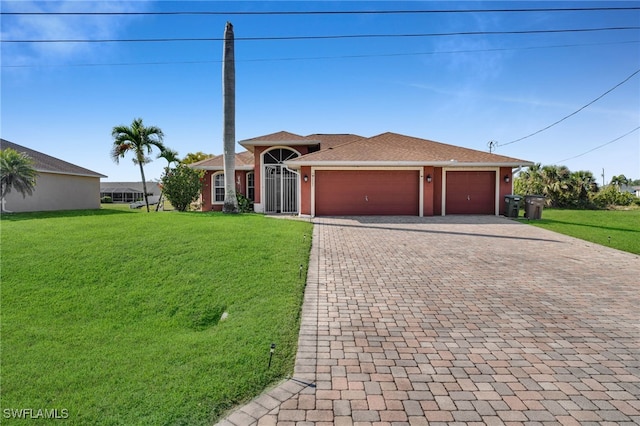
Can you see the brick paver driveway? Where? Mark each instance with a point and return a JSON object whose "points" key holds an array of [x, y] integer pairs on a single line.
{"points": [[472, 320]]}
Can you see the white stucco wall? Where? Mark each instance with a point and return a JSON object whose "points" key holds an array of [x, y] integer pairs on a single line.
{"points": [[57, 192]]}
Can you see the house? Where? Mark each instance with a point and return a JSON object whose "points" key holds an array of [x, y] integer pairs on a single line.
{"points": [[128, 192], [345, 174], [59, 185]]}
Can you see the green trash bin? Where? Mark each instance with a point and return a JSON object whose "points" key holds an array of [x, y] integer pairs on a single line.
{"points": [[533, 205], [512, 205]]}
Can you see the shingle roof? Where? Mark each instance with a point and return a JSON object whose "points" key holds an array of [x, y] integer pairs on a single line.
{"points": [[244, 161], [388, 148], [47, 164], [286, 138]]}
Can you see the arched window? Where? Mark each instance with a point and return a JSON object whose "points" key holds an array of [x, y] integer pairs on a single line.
{"points": [[279, 155], [218, 188]]}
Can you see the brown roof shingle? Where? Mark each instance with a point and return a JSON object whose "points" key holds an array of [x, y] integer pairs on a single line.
{"points": [[47, 164], [244, 161], [396, 148]]}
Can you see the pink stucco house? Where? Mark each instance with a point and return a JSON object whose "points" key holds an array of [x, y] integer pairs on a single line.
{"points": [[346, 175]]}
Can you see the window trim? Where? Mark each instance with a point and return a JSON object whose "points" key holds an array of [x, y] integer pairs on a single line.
{"points": [[213, 188], [253, 176]]}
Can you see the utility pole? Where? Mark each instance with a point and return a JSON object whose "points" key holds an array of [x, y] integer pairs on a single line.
{"points": [[492, 145], [603, 178]]}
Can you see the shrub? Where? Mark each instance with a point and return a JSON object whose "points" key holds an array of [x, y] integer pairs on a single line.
{"points": [[245, 205], [106, 200], [611, 196], [181, 186]]}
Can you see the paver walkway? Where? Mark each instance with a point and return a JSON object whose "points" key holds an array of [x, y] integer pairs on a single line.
{"points": [[460, 320]]}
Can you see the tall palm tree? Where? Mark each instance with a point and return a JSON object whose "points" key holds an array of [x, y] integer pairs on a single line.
{"points": [[17, 172], [172, 157], [140, 140], [229, 119]]}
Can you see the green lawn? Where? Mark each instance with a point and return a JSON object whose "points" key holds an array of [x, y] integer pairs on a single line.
{"points": [[114, 314], [619, 229]]}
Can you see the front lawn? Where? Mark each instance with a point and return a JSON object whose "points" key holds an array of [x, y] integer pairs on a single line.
{"points": [[619, 229], [115, 315]]}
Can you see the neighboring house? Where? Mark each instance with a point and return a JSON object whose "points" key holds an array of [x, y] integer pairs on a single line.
{"points": [[59, 185], [128, 192], [345, 175], [635, 190]]}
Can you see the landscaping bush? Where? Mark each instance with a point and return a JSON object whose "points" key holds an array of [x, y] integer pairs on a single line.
{"points": [[245, 205], [106, 200]]}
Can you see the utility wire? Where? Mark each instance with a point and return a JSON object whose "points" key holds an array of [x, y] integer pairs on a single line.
{"points": [[333, 12], [600, 146], [310, 58], [325, 37], [575, 112]]}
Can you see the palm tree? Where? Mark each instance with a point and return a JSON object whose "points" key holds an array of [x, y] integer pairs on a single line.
{"points": [[140, 140], [618, 181], [229, 119], [17, 172], [172, 157]]}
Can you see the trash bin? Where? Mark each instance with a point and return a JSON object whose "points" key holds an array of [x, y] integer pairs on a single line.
{"points": [[512, 205], [533, 205]]}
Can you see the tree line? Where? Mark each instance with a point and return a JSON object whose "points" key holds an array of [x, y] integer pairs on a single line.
{"points": [[563, 188]]}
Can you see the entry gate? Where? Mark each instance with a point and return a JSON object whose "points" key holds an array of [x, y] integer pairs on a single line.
{"points": [[281, 189]]}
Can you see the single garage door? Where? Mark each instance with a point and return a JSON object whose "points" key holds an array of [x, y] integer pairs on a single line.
{"points": [[470, 192], [366, 192]]}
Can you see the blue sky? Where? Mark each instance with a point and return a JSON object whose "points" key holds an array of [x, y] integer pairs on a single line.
{"points": [[64, 98]]}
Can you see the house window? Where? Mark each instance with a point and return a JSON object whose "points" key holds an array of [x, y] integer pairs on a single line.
{"points": [[218, 188], [251, 187]]}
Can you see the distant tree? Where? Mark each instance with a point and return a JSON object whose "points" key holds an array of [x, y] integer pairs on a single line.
{"points": [[140, 140], [529, 181], [619, 180], [17, 172], [610, 196], [172, 157], [182, 185], [585, 186], [194, 157]]}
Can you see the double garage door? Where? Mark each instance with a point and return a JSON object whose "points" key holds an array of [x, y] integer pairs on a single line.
{"points": [[397, 192], [366, 192]]}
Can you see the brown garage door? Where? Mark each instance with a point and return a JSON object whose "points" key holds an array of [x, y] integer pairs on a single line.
{"points": [[471, 192], [366, 192]]}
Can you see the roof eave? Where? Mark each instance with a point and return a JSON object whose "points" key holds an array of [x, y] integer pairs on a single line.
{"points": [[297, 164], [248, 144], [217, 168], [58, 172]]}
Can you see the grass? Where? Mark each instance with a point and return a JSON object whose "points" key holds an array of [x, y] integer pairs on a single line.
{"points": [[619, 229], [115, 314]]}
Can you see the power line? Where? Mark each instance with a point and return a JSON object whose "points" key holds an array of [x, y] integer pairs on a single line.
{"points": [[575, 112], [324, 37], [329, 12], [307, 58], [600, 146]]}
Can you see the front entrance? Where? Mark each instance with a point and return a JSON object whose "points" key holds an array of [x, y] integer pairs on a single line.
{"points": [[280, 182]]}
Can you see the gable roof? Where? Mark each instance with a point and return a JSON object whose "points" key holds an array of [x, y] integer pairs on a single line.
{"points": [[244, 161], [292, 139], [389, 149], [44, 163]]}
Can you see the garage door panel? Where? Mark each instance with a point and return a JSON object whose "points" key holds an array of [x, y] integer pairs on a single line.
{"points": [[470, 192], [366, 192]]}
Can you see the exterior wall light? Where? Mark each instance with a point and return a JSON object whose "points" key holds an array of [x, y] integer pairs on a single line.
{"points": [[428, 178], [306, 178], [506, 178]]}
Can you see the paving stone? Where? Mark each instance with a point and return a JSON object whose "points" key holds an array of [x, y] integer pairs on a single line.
{"points": [[413, 321]]}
